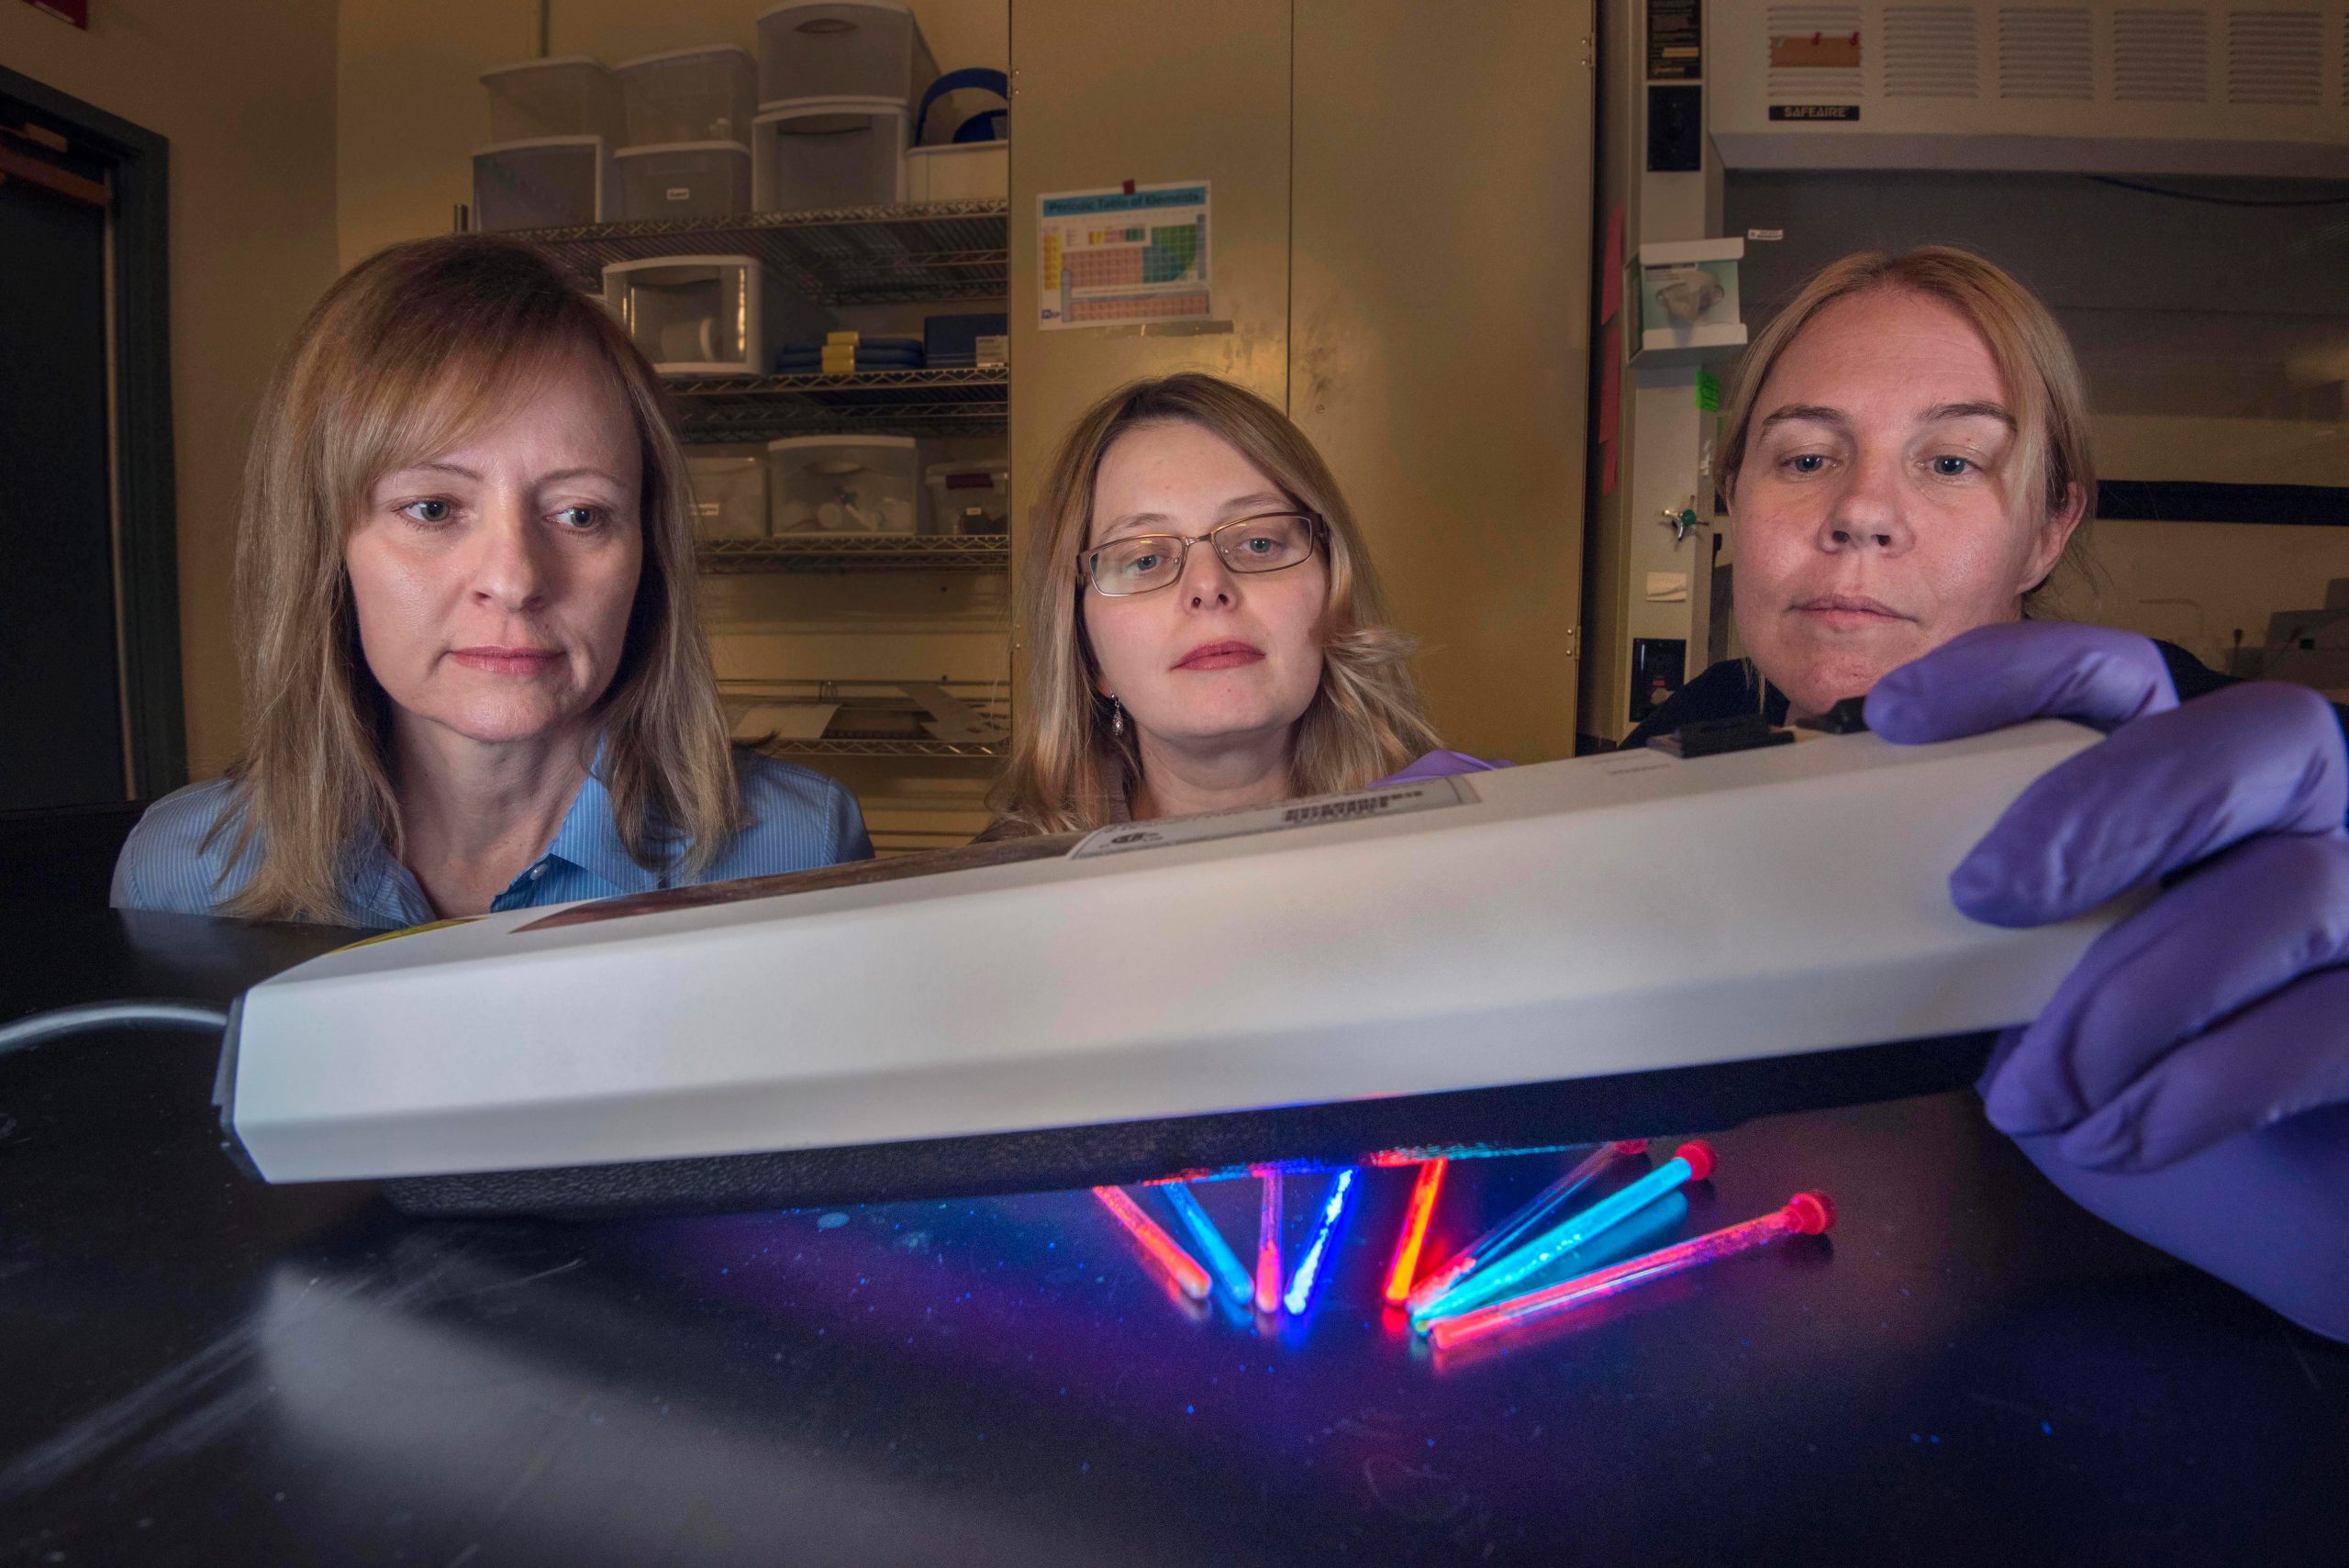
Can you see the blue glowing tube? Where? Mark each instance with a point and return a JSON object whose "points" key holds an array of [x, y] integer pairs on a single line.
{"points": [[1223, 1261], [1333, 1212], [1692, 1161]]}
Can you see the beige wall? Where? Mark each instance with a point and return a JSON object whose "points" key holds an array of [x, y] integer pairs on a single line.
{"points": [[244, 90], [413, 112]]}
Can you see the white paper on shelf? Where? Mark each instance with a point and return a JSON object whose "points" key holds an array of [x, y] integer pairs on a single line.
{"points": [[783, 721]]}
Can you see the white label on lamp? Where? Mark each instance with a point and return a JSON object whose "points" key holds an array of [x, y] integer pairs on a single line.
{"points": [[1313, 811]]}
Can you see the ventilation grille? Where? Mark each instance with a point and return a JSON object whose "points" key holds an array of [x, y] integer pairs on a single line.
{"points": [[1814, 54], [2161, 57], [2272, 58], [2047, 51], [1930, 52]]}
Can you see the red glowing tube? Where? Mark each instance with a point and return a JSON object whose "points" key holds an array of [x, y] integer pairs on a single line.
{"points": [[1805, 1214], [1268, 1246], [1510, 1231], [1414, 1234], [1160, 1248]]}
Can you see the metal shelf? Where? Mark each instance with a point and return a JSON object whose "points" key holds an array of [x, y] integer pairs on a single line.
{"points": [[849, 746], [857, 552], [943, 250], [955, 402]]}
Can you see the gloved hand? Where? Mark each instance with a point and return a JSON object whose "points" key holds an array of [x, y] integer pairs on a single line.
{"points": [[2221, 1009]]}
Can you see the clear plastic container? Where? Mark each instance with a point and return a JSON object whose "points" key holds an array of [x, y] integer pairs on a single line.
{"points": [[571, 96], [683, 179], [709, 314], [828, 48], [729, 496], [972, 497], [959, 171], [842, 484], [553, 181], [821, 153], [689, 94]]}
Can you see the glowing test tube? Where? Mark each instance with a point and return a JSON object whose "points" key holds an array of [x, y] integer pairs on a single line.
{"points": [[1692, 1161], [1805, 1214], [1333, 1213], [1414, 1234], [1497, 1241], [1268, 1246], [1223, 1261], [1161, 1249]]}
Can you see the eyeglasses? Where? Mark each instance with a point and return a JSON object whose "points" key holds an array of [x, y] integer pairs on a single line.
{"points": [[1141, 564]]}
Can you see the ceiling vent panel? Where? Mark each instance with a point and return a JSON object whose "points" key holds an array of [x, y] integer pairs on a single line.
{"points": [[1930, 51]]}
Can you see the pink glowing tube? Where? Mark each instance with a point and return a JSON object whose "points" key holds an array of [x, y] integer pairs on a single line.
{"points": [[1268, 1246], [1414, 1234], [1805, 1214], [1510, 1231], [1161, 1249]]}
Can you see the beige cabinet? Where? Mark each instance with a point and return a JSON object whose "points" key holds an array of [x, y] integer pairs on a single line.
{"points": [[1401, 238]]}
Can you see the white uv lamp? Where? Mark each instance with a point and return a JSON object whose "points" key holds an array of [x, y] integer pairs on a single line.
{"points": [[1615, 946]]}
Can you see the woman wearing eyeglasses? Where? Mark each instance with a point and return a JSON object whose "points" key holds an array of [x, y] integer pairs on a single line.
{"points": [[1207, 631]]}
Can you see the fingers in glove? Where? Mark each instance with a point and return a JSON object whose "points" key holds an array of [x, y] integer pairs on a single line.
{"points": [[2242, 930], [2284, 1056], [2155, 797], [1996, 675]]}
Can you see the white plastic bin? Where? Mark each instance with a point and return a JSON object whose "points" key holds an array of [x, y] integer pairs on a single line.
{"points": [[552, 182], [689, 94], [972, 497], [828, 48], [709, 314], [843, 485], [821, 153], [959, 171], [729, 496], [572, 94], [683, 179]]}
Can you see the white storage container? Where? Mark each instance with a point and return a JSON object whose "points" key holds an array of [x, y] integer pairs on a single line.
{"points": [[552, 182], [959, 171], [729, 496], [827, 48], [970, 497], [709, 314], [689, 95], [842, 484], [683, 179], [821, 153], [571, 96]]}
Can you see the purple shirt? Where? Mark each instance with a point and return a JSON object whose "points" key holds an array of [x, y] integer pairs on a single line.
{"points": [[1441, 765]]}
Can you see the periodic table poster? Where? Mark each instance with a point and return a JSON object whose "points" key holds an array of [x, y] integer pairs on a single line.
{"points": [[1128, 255]]}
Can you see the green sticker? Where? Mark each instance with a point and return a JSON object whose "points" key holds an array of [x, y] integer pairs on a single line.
{"points": [[1708, 391]]}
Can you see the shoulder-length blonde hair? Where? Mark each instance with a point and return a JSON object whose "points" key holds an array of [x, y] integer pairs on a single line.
{"points": [[411, 350], [2053, 459], [1068, 769]]}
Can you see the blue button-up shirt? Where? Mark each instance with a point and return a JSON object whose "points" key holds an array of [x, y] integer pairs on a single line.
{"points": [[795, 819]]}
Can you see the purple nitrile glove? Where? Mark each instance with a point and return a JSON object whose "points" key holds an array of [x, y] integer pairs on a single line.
{"points": [[2151, 1086]]}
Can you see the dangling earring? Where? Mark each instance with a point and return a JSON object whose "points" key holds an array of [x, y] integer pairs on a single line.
{"points": [[1117, 718]]}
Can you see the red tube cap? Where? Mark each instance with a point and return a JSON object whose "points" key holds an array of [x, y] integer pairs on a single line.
{"points": [[1699, 1155], [1810, 1213]]}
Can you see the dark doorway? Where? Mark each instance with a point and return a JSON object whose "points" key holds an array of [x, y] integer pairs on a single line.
{"points": [[89, 709], [60, 720]]}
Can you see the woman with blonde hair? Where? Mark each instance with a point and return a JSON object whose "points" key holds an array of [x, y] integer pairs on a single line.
{"points": [[1205, 629], [473, 672], [1907, 460]]}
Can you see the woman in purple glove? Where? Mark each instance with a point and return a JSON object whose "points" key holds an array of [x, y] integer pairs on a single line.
{"points": [[1208, 632], [1908, 461]]}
